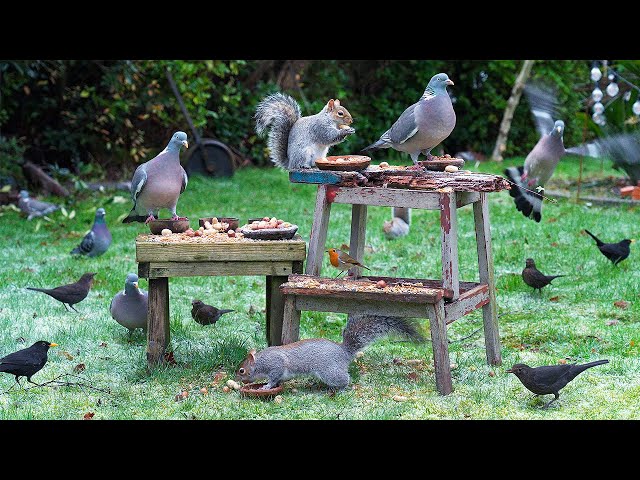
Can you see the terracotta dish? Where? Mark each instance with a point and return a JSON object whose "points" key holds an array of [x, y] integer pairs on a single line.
{"points": [[348, 163], [438, 164], [270, 233], [253, 390], [232, 221], [176, 226]]}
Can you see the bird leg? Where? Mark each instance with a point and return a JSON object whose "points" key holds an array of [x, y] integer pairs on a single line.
{"points": [[414, 157], [340, 273], [150, 218], [31, 381], [73, 308], [555, 397], [65, 306], [176, 217]]}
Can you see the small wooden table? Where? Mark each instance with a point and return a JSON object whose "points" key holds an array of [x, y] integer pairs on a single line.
{"points": [[159, 259]]}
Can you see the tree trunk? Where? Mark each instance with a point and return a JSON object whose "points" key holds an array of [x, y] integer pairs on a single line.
{"points": [[514, 99], [39, 177]]}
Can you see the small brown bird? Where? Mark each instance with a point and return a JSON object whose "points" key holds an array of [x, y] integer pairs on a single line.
{"points": [[72, 293], [534, 277], [550, 378], [206, 314], [343, 261]]}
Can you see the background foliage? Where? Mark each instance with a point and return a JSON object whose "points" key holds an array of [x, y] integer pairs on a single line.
{"points": [[81, 114]]}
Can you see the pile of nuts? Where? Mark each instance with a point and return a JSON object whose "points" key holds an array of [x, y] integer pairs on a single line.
{"points": [[215, 225], [267, 222]]}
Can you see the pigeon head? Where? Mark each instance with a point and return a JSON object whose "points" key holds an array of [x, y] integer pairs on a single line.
{"points": [[179, 139], [519, 369], [437, 84], [100, 213], [131, 283], [530, 263], [24, 194], [558, 128]]}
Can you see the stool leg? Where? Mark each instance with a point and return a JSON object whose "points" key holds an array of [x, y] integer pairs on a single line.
{"points": [[485, 266], [158, 332], [275, 309], [318, 232], [440, 343], [290, 321], [358, 233], [449, 240]]}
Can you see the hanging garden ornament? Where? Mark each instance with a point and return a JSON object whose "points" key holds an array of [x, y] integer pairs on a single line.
{"points": [[612, 88], [635, 108], [598, 108], [596, 94], [596, 74], [598, 119], [627, 96]]}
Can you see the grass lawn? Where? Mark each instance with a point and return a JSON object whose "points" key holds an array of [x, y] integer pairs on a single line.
{"points": [[574, 319]]}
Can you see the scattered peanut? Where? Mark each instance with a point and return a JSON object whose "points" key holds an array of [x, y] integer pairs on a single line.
{"points": [[384, 165], [233, 384], [166, 232], [451, 168], [400, 398], [278, 399], [226, 389]]}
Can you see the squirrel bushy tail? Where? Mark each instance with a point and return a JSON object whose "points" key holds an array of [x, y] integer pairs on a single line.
{"points": [[278, 112], [361, 330]]}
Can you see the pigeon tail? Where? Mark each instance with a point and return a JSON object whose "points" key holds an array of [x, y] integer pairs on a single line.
{"points": [[133, 217], [76, 250], [527, 202], [598, 241], [376, 145]]}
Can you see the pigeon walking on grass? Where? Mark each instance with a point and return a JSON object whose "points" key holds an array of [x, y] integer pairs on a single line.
{"points": [[26, 362], [158, 183], [206, 314], [34, 208], [129, 306], [97, 240], [616, 252], [71, 293], [534, 277]]}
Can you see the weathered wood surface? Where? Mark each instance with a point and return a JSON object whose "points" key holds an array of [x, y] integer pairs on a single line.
{"points": [[213, 269], [249, 251], [466, 303], [394, 197], [332, 288], [440, 345], [357, 237], [274, 309], [430, 283], [318, 231], [449, 242], [158, 333], [418, 179], [290, 321], [351, 306], [485, 266]]}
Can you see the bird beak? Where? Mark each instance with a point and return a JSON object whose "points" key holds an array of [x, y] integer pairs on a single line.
{"points": [[633, 240], [185, 143], [53, 344], [558, 129], [509, 371], [449, 82], [135, 284]]}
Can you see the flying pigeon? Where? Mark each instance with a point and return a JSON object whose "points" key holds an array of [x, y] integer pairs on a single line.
{"points": [[97, 241], [158, 183], [424, 124], [129, 307], [34, 208]]}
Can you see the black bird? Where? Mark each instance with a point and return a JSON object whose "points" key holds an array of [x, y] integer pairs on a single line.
{"points": [[72, 293], [550, 378], [616, 252], [26, 362], [534, 277], [206, 314]]}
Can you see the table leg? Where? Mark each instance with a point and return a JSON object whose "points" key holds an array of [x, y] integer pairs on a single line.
{"points": [[449, 239], [290, 321], [158, 332], [440, 344], [485, 266], [318, 232], [275, 309], [358, 233]]}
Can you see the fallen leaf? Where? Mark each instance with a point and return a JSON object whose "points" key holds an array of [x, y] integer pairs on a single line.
{"points": [[562, 361], [414, 362], [88, 415], [632, 343], [612, 322], [554, 299], [226, 389], [400, 398], [168, 357], [413, 376], [554, 244], [552, 220], [492, 373], [67, 355], [103, 344], [79, 368], [5, 189], [621, 304]]}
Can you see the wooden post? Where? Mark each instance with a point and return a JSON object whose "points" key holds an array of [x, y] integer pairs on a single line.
{"points": [[290, 321], [449, 238], [438, 329], [318, 232], [275, 309], [485, 266], [158, 332], [358, 233]]}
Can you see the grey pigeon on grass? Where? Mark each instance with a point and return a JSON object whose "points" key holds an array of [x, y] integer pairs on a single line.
{"points": [[423, 125], [34, 208], [129, 307], [158, 183], [97, 240]]}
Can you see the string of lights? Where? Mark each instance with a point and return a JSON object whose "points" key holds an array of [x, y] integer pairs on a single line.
{"points": [[611, 90]]}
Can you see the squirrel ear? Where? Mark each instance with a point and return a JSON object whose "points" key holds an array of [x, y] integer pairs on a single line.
{"points": [[330, 105], [252, 355], [337, 102]]}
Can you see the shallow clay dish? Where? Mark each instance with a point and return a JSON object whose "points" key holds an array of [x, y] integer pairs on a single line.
{"points": [[438, 164], [253, 390], [352, 162], [269, 233], [232, 221], [176, 226]]}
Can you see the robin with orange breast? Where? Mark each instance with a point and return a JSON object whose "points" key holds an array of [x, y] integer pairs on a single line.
{"points": [[343, 261]]}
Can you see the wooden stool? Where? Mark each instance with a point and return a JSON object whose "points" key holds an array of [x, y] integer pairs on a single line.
{"points": [[447, 299]]}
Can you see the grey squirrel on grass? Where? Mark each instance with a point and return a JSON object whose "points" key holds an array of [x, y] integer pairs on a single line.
{"points": [[295, 141], [327, 360]]}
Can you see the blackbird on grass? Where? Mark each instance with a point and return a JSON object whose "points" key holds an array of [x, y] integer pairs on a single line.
{"points": [[26, 362], [72, 293], [616, 252], [206, 314], [550, 378], [534, 277]]}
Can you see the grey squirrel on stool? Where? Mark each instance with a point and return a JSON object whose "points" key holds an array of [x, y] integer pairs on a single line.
{"points": [[327, 360], [295, 141]]}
